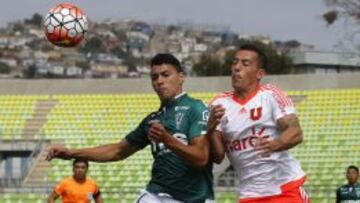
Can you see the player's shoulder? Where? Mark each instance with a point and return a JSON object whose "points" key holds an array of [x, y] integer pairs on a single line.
{"points": [[275, 92], [150, 116], [222, 97], [343, 187], [271, 88], [91, 181], [67, 180], [193, 103]]}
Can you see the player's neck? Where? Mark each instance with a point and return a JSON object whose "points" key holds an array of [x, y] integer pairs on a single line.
{"points": [[353, 184], [79, 180], [178, 95], [244, 93]]}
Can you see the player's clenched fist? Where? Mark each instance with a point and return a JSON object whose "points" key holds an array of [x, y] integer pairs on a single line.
{"points": [[216, 113], [58, 152], [158, 133]]}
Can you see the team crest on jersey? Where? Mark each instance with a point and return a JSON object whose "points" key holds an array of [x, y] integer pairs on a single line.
{"points": [[205, 115], [178, 108], [178, 119], [256, 113]]}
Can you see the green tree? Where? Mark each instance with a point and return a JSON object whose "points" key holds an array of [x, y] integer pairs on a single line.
{"points": [[4, 68], [36, 20], [208, 66], [119, 52], [84, 65], [277, 62], [30, 71], [94, 45], [18, 27]]}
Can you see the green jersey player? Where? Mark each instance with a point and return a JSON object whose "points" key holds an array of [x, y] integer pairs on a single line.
{"points": [[176, 133], [349, 193]]}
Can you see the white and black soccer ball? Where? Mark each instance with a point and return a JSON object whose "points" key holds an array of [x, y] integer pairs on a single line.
{"points": [[65, 25]]}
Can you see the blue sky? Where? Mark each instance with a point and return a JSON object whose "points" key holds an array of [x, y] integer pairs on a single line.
{"points": [[278, 19]]}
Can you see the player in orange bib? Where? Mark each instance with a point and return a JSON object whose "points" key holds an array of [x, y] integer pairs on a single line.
{"points": [[77, 188]]}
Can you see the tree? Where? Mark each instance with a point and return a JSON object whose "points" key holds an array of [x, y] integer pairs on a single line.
{"points": [[4, 68], [94, 45], [84, 65], [342, 8], [119, 52], [30, 71], [18, 27], [349, 12], [210, 65], [36, 20]]}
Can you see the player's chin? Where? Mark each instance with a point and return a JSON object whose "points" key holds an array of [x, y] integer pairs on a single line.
{"points": [[237, 86], [163, 96]]}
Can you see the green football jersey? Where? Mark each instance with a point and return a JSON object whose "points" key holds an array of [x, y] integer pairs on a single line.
{"points": [[348, 193], [184, 118]]}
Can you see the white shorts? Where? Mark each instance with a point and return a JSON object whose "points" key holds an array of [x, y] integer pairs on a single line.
{"points": [[148, 197]]}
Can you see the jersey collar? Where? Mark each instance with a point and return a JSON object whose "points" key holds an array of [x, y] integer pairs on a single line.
{"points": [[176, 99], [248, 98]]}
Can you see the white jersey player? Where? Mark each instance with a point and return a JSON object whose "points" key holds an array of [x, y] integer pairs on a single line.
{"points": [[255, 125]]}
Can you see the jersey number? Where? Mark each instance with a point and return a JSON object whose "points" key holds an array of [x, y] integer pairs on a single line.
{"points": [[157, 147]]}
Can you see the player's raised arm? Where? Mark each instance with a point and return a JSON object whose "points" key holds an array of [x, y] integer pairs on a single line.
{"points": [[103, 153], [217, 150]]}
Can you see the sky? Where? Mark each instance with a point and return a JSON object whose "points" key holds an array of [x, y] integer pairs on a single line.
{"points": [[278, 19]]}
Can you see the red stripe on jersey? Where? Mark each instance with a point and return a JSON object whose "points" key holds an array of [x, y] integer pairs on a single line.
{"points": [[280, 96], [221, 95]]}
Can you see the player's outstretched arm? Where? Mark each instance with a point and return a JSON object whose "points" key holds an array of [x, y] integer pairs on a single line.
{"points": [[291, 135], [103, 153], [217, 149]]}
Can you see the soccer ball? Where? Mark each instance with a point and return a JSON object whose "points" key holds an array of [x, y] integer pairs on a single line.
{"points": [[65, 25]]}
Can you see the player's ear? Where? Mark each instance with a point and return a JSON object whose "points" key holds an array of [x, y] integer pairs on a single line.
{"points": [[182, 77], [260, 73]]}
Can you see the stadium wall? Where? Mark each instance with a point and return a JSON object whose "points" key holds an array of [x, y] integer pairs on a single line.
{"points": [[192, 84]]}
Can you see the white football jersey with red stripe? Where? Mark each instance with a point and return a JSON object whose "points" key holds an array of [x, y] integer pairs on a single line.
{"points": [[246, 120]]}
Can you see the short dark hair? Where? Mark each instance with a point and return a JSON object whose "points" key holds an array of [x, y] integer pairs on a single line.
{"points": [[260, 53], [81, 161], [353, 167], [166, 58]]}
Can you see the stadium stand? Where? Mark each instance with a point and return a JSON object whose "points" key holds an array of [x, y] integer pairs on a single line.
{"points": [[330, 119]]}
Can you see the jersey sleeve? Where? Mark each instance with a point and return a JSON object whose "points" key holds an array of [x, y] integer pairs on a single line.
{"points": [[60, 188], [281, 104], [198, 119], [138, 136], [338, 195], [96, 190]]}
